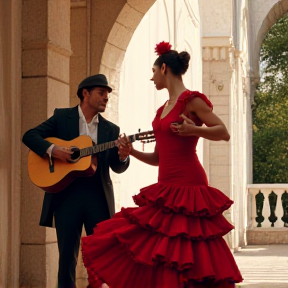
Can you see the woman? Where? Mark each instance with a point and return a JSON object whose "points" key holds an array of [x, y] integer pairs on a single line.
{"points": [[174, 238]]}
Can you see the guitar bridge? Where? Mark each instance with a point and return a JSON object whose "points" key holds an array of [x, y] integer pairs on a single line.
{"points": [[51, 164]]}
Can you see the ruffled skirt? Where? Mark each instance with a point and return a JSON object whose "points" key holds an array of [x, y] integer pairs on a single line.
{"points": [[172, 240]]}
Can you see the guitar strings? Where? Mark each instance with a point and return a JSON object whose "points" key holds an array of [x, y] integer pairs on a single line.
{"points": [[104, 146]]}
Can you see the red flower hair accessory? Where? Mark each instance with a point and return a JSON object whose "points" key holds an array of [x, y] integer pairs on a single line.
{"points": [[162, 48]]}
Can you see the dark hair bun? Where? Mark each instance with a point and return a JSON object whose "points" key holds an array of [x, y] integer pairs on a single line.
{"points": [[177, 62], [184, 58]]}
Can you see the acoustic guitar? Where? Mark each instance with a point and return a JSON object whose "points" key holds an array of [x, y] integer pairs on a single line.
{"points": [[53, 175]]}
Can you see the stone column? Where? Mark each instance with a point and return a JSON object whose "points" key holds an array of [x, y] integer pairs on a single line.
{"points": [[10, 146], [45, 85], [217, 80], [216, 85]]}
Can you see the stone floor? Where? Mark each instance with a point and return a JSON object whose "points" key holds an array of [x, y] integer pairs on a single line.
{"points": [[263, 266]]}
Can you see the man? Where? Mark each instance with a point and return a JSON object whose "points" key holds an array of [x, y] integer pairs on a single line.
{"points": [[87, 200]]}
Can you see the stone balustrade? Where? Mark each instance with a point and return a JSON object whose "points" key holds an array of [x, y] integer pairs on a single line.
{"points": [[267, 213]]}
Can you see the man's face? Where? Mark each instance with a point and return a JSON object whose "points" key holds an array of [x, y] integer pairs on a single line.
{"points": [[97, 99]]}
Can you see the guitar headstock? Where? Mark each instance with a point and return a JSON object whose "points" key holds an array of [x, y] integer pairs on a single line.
{"points": [[145, 137]]}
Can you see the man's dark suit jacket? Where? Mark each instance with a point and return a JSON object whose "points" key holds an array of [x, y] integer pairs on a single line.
{"points": [[64, 124]]}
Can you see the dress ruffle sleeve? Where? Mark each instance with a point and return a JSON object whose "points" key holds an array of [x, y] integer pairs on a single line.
{"points": [[189, 95]]}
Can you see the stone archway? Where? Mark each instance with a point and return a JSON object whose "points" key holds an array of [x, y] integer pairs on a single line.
{"points": [[119, 38], [102, 50], [275, 13], [262, 21]]}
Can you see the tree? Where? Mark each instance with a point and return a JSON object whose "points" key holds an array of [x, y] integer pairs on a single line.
{"points": [[270, 109]]}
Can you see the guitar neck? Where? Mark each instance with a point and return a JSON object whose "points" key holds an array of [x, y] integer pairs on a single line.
{"points": [[97, 148], [105, 146]]}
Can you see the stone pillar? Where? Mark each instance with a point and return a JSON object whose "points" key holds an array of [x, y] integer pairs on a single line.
{"points": [[216, 85], [45, 85], [217, 80], [240, 132], [10, 146]]}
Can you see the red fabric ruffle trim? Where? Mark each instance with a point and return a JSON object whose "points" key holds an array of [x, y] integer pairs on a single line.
{"points": [[200, 201], [188, 95], [171, 224]]}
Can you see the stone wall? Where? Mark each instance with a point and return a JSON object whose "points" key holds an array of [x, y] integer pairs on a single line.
{"points": [[46, 55], [10, 145]]}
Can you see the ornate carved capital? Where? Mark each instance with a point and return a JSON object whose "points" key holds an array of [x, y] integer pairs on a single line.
{"points": [[215, 53], [216, 48]]}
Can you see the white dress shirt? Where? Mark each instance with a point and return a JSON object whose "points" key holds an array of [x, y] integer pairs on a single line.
{"points": [[89, 129]]}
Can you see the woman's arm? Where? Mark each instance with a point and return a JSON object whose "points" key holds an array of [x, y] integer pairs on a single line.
{"points": [[214, 129], [148, 158]]}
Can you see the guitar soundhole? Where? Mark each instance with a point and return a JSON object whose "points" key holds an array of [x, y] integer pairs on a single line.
{"points": [[76, 153]]}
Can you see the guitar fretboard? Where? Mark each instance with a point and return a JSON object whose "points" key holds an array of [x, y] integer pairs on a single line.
{"points": [[102, 147]]}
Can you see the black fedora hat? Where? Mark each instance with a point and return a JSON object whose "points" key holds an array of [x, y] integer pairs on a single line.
{"points": [[98, 80]]}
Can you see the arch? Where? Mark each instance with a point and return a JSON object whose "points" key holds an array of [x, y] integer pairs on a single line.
{"points": [[119, 38], [275, 13], [102, 50]]}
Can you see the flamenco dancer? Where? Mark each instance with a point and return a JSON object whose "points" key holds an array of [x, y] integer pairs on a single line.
{"points": [[174, 238]]}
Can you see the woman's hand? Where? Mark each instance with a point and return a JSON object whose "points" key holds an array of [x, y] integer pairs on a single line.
{"points": [[214, 128], [184, 129]]}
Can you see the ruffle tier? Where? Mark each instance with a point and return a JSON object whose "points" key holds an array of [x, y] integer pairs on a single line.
{"points": [[177, 224], [172, 240], [200, 200]]}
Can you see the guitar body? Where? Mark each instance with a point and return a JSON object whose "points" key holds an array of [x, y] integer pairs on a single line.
{"points": [[64, 173], [58, 175]]}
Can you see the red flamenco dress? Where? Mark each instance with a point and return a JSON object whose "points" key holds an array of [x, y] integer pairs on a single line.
{"points": [[174, 238]]}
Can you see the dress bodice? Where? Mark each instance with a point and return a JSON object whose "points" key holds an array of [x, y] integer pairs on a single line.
{"points": [[178, 161]]}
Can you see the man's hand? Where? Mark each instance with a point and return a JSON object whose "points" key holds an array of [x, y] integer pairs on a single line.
{"points": [[124, 147], [62, 153]]}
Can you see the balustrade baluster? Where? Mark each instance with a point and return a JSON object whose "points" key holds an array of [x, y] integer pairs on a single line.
{"points": [[284, 200], [272, 203], [259, 208]]}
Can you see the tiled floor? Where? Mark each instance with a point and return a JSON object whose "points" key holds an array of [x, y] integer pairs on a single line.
{"points": [[263, 266]]}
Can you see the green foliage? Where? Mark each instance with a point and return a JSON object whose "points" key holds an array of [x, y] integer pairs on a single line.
{"points": [[274, 52], [270, 109]]}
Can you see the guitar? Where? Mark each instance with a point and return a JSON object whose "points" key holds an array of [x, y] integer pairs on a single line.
{"points": [[53, 175]]}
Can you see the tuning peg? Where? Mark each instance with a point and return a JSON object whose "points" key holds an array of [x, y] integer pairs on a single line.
{"points": [[147, 141]]}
